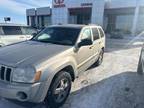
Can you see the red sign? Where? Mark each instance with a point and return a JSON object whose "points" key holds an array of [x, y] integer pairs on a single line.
{"points": [[59, 3]]}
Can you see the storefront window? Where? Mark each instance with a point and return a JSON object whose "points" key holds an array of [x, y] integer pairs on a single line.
{"points": [[44, 21], [47, 20], [80, 16], [33, 21], [124, 23], [120, 22]]}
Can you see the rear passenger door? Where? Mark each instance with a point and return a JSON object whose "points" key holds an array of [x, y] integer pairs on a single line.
{"points": [[12, 34], [96, 41]]}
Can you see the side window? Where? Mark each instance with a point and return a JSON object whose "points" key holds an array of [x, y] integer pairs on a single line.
{"points": [[101, 32], [12, 30], [95, 33], [86, 34]]}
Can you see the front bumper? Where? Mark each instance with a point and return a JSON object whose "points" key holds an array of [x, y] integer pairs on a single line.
{"points": [[22, 92]]}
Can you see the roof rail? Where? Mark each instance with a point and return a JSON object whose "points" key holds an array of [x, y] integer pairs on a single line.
{"points": [[93, 24]]}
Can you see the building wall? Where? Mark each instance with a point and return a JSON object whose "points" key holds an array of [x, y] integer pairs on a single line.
{"points": [[31, 17], [130, 21], [141, 2], [127, 15], [98, 12], [40, 17], [61, 14], [122, 3], [77, 3], [140, 23], [43, 11]]}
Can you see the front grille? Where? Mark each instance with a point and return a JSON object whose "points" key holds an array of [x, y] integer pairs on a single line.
{"points": [[5, 73]]}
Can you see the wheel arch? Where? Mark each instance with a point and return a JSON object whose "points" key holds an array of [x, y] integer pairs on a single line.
{"points": [[68, 69]]}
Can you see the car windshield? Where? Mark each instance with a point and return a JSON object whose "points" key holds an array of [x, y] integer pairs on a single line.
{"points": [[58, 35]]}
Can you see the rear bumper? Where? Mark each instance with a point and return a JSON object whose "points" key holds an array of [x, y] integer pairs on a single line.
{"points": [[22, 92]]}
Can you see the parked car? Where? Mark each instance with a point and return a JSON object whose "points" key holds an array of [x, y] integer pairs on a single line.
{"points": [[13, 33], [43, 68], [141, 62]]}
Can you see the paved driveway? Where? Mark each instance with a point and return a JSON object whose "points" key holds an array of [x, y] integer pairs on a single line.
{"points": [[114, 84]]}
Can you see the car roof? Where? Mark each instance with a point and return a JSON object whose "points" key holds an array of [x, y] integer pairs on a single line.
{"points": [[12, 24], [77, 26]]}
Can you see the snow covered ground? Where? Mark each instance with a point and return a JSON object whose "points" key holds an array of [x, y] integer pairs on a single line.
{"points": [[114, 84]]}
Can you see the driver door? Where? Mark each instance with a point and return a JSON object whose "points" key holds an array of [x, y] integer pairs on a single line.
{"points": [[85, 54]]}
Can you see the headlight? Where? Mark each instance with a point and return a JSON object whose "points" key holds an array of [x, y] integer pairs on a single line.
{"points": [[25, 75]]}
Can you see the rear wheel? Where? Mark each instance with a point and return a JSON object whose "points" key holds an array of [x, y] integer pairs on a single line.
{"points": [[59, 90], [100, 59]]}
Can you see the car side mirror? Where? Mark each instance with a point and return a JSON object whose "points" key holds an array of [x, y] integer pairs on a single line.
{"points": [[34, 34], [85, 42]]}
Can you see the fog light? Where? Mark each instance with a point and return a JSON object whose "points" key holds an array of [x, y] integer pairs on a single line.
{"points": [[22, 95]]}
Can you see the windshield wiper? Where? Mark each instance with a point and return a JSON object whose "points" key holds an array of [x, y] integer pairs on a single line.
{"points": [[52, 42]]}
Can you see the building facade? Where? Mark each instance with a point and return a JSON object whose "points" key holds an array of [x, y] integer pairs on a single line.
{"points": [[124, 15], [40, 17]]}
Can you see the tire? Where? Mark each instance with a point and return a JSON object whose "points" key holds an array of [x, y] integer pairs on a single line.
{"points": [[59, 90], [100, 59]]}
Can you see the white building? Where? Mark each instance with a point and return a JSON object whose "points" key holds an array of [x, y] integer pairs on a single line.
{"points": [[125, 15]]}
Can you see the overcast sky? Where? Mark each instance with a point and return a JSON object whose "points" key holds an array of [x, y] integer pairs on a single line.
{"points": [[16, 9]]}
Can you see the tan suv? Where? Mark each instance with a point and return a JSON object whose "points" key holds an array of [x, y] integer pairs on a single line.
{"points": [[43, 68]]}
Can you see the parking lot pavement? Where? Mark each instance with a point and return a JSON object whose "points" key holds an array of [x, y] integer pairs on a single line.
{"points": [[114, 84]]}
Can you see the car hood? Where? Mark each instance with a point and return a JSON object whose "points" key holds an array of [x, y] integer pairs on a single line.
{"points": [[29, 52]]}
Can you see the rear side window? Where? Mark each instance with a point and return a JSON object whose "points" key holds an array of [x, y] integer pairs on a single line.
{"points": [[101, 32], [12, 30], [95, 33]]}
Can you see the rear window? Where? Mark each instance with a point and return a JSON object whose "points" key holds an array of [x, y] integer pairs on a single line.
{"points": [[101, 32], [95, 33], [12, 30]]}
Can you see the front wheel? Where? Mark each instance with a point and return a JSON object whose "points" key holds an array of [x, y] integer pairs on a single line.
{"points": [[100, 59], [59, 90]]}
